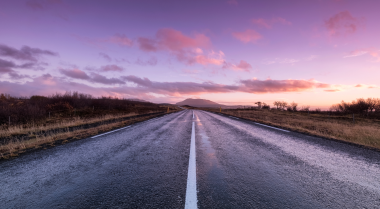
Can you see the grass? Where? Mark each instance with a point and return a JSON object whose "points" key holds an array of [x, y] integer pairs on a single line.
{"points": [[364, 132], [45, 136]]}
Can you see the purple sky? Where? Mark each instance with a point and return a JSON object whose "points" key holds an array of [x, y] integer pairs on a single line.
{"points": [[234, 52]]}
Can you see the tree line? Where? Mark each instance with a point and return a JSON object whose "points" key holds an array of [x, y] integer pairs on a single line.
{"points": [[361, 106], [23, 110]]}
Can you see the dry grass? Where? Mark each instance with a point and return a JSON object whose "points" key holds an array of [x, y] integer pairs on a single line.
{"points": [[17, 146], [75, 121], [364, 132]]}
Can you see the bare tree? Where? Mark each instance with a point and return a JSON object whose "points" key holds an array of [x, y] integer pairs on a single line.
{"points": [[305, 108], [259, 104], [371, 102], [293, 106], [277, 104], [283, 105]]}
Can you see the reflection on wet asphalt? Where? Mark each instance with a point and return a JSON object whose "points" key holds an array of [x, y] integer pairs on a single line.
{"points": [[239, 164]]}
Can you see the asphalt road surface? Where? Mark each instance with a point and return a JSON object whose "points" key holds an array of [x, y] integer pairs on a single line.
{"points": [[186, 160]]}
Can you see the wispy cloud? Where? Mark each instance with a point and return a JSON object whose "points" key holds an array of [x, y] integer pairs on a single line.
{"points": [[26, 53], [359, 52], [248, 36]]}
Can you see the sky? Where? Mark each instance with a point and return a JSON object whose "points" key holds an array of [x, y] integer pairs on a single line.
{"points": [[234, 52]]}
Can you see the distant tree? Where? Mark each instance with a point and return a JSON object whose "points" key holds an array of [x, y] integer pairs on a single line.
{"points": [[266, 106], [371, 102], [293, 106], [305, 108], [283, 105], [277, 104], [259, 104]]}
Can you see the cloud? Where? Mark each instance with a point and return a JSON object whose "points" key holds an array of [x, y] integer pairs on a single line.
{"points": [[189, 50], [75, 73], [279, 86], [120, 39], [331, 90], [104, 80], [147, 45], [105, 56], [359, 52], [268, 23], [343, 23], [152, 61], [26, 53], [108, 68], [241, 66], [95, 77], [247, 36], [144, 87]]}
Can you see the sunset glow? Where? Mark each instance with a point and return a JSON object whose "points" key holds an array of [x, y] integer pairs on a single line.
{"points": [[237, 52]]}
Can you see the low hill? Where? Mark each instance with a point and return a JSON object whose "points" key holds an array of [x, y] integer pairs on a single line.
{"points": [[200, 103]]}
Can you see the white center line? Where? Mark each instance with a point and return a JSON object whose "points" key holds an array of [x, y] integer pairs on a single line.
{"points": [[191, 190]]}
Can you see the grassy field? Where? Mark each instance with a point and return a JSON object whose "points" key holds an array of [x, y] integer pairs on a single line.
{"points": [[364, 131], [40, 122]]}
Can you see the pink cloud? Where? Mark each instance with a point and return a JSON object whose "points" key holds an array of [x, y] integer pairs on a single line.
{"points": [[241, 66], [268, 23], [147, 45], [189, 50], [371, 51], [343, 23], [75, 73], [47, 84], [277, 86], [247, 36]]}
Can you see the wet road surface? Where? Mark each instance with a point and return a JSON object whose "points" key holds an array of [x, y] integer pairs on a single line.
{"points": [[196, 157]]}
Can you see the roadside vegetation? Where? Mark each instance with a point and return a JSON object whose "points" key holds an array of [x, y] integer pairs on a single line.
{"points": [[39, 122], [356, 122]]}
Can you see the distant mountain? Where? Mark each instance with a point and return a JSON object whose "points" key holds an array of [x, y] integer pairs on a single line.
{"points": [[200, 103]]}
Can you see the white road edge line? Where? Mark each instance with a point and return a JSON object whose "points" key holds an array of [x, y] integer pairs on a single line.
{"points": [[191, 189], [109, 132], [271, 127]]}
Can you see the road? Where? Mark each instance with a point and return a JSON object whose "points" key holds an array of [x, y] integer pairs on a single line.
{"points": [[194, 159]]}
